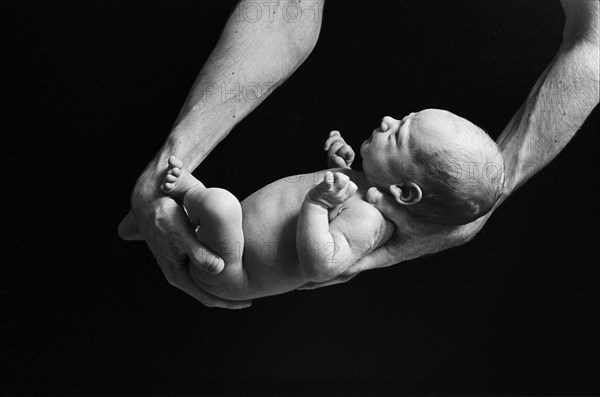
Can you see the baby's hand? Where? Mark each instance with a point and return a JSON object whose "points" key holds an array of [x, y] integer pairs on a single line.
{"points": [[335, 189], [339, 153]]}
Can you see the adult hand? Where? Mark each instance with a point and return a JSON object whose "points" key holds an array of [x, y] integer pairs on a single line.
{"points": [[400, 248], [164, 225]]}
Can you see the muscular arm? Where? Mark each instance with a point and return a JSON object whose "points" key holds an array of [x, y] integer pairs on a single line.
{"points": [[252, 57], [560, 101]]}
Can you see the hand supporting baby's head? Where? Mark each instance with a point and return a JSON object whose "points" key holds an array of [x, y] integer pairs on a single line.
{"points": [[442, 168]]}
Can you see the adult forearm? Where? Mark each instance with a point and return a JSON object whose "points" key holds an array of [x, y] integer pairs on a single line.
{"points": [[558, 105], [255, 54]]}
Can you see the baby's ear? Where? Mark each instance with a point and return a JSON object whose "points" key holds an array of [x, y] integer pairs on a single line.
{"points": [[407, 194]]}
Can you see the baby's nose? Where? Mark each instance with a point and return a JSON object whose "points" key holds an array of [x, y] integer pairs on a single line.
{"points": [[387, 122]]}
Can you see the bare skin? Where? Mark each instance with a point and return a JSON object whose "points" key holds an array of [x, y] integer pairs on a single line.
{"points": [[206, 117], [268, 238], [561, 100], [557, 106], [316, 226]]}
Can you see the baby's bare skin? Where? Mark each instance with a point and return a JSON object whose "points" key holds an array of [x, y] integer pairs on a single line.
{"points": [[312, 228], [269, 219]]}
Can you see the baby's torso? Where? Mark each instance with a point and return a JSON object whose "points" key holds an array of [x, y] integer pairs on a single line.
{"points": [[270, 218]]}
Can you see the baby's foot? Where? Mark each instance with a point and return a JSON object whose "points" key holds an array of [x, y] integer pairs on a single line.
{"points": [[178, 180]]}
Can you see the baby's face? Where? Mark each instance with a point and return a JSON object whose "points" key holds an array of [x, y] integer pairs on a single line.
{"points": [[388, 155]]}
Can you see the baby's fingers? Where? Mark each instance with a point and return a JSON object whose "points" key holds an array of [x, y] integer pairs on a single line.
{"points": [[328, 180], [347, 154], [344, 187], [340, 180], [333, 137], [338, 161], [335, 147]]}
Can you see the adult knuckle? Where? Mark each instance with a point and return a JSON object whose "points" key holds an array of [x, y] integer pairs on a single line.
{"points": [[171, 278], [164, 264], [173, 283], [209, 303], [161, 215]]}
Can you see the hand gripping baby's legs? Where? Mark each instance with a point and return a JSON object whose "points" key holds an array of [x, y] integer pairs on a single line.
{"points": [[219, 215]]}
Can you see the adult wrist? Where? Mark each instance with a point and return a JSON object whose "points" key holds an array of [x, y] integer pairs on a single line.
{"points": [[147, 185]]}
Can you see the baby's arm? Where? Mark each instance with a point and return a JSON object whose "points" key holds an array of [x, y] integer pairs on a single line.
{"points": [[323, 252]]}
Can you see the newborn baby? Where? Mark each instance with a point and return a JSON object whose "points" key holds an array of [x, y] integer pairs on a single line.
{"points": [[440, 168]]}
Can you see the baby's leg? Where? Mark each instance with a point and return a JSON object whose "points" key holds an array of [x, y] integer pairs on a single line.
{"points": [[218, 214]]}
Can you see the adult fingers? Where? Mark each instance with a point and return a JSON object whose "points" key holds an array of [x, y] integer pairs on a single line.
{"points": [[200, 256], [382, 256], [128, 228], [337, 280], [184, 239]]}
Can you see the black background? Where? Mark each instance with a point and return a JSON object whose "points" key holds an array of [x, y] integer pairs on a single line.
{"points": [[90, 91]]}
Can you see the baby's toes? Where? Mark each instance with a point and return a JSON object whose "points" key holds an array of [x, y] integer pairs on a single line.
{"points": [[176, 171], [168, 187], [174, 161], [170, 177]]}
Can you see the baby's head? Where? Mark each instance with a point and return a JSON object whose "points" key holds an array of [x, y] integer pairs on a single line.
{"points": [[443, 168]]}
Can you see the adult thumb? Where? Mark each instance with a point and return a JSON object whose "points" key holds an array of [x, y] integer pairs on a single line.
{"points": [[128, 228]]}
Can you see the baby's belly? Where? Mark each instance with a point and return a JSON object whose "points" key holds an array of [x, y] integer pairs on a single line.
{"points": [[270, 216]]}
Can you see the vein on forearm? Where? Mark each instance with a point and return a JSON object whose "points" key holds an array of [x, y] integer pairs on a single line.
{"points": [[249, 61], [558, 105]]}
